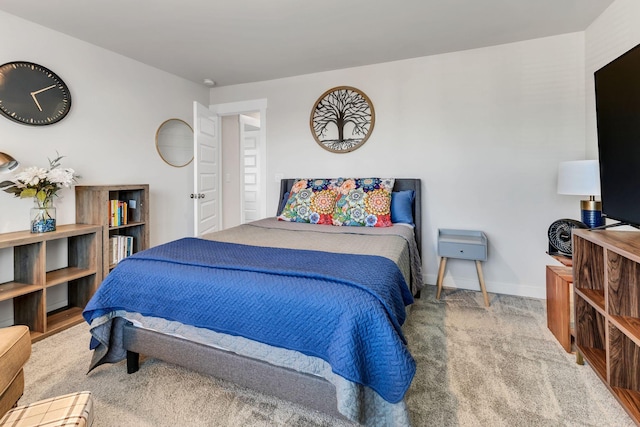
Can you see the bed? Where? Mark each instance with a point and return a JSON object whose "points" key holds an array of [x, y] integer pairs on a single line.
{"points": [[313, 374]]}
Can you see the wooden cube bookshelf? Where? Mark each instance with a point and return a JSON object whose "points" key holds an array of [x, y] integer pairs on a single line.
{"points": [[28, 289], [92, 207], [607, 310]]}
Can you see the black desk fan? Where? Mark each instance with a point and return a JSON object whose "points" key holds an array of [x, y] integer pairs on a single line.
{"points": [[560, 236]]}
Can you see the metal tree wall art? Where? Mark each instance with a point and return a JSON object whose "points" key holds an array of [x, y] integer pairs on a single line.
{"points": [[342, 119]]}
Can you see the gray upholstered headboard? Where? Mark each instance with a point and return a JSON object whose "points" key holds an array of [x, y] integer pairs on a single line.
{"points": [[400, 185]]}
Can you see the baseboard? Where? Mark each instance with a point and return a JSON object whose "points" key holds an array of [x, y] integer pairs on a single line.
{"points": [[516, 289]]}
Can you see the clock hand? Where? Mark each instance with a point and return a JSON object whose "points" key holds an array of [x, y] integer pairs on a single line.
{"points": [[42, 90], [36, 101], [33, 95]]}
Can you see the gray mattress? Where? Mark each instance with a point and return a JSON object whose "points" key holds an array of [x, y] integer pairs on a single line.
{"points": [[396, 243]]}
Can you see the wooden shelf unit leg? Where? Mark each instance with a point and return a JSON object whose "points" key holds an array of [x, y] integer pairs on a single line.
{"points": [[481, 280], [443, 265]]}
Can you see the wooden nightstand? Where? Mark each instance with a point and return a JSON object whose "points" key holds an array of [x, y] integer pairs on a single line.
{"points": [[462, 244], [560, 304]]}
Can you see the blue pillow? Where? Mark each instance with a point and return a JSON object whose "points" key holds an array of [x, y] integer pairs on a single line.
{"points": [[283, 203], [401, 204]]}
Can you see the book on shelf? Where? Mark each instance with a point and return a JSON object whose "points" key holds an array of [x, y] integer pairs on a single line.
{"points": [[118, 213], [120, 247]]}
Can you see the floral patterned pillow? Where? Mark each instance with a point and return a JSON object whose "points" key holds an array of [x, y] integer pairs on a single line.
{"points": [[364, 202], [312, 201]]}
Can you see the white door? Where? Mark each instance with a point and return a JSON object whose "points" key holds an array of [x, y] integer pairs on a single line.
{"points": [[250, 200], [206, 139]]}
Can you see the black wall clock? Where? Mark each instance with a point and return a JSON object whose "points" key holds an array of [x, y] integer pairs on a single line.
{"points": [[32, 94]]}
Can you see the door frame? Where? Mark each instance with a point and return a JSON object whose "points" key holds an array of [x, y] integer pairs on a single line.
{"points": [[243, 107]]}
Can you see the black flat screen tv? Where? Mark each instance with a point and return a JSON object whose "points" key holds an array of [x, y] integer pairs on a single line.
{"points": [[617, 87]]}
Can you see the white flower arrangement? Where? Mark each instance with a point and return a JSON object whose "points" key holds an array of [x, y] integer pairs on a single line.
{"points": [[39, 183]]}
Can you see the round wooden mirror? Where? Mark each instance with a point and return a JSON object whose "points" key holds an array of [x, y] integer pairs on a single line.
{"points": [[174, 142]]}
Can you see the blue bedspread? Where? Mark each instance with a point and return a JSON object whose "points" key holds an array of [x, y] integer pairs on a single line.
{"points": [[345, 309]]}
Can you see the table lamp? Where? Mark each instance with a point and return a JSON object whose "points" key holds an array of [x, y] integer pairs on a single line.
{"points": [[582, 178], [7, 163]]}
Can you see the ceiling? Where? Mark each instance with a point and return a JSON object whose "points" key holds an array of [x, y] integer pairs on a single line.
{"points": [[240, 41]]}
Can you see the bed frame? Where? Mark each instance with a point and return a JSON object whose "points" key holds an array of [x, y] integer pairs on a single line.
{"points": [[304, 389]]}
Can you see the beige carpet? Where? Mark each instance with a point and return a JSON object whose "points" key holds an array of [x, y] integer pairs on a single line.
{"points": [[476, 367]]}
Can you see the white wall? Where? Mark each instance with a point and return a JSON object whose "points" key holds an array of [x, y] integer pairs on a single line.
{"points": [[108, 136], [231, 170], [484, 129]]}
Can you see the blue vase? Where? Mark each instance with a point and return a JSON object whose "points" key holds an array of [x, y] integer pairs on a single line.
{"points": [[43, 216]]}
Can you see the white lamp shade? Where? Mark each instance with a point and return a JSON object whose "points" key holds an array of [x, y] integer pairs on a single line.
{"points": [[579, 177]]}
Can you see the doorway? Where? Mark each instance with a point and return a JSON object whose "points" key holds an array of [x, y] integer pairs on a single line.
{"points": [[243, 161]]}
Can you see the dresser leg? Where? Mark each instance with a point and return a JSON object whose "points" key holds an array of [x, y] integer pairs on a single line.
{"points": [[443, 264], [481, 279]]}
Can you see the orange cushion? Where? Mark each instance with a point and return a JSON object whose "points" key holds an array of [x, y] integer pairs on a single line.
{"points": [[15, 349]]}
